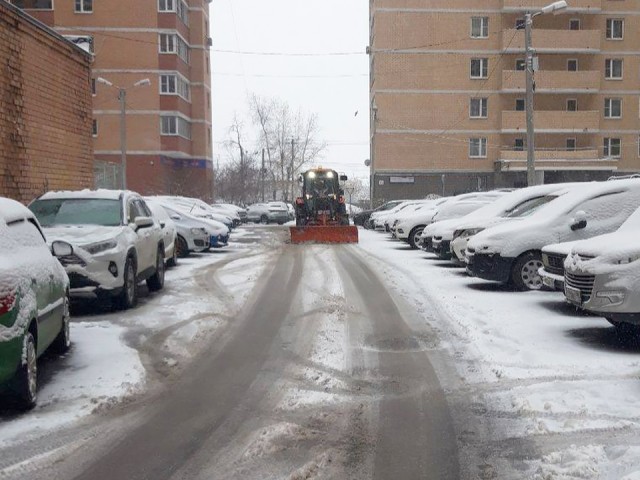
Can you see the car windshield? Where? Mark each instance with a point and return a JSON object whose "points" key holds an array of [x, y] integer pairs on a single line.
{"points": [[530, 206], [77, 211], [321, 184]]}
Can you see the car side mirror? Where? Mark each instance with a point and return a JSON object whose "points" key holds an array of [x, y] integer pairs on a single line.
{"points": [[579, 221], [143, 222], [61, 249], [343, 178]]}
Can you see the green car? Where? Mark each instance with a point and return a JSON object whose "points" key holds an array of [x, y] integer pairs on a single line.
{"points": [[34, 301]]}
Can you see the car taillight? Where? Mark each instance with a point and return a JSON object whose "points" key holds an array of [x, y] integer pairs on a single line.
{"points": [[7, 303]]}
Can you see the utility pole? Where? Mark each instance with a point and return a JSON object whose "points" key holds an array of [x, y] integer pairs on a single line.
{"points": [[262, 172], [292, 171], [531, 165], [122, 96]]}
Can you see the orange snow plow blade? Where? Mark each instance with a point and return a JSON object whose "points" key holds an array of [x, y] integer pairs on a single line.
{"points": [[324, 234]]}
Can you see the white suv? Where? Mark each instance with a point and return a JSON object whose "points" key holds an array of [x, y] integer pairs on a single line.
{"points": [[116, 242]]}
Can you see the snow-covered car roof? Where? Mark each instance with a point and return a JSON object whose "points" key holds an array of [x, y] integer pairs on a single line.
{"points": [[101, 193], [10, 211]]}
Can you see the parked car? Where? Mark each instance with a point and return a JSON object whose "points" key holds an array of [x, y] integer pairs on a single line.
{"points": [[440, 232], [116, 242], [511, 253], [197, 208], [602, 276], [241, 211], [378, 221], [169, 233], [516, 204], [192, 233], [34, 300], [362, 218], [272, 212], [228, 211]]}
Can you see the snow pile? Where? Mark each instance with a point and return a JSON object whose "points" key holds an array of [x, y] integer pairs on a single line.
{"points": [[276, 438]]}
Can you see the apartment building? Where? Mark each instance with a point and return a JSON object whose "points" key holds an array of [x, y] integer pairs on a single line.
{"points": [[447, 93], [167, 118]]}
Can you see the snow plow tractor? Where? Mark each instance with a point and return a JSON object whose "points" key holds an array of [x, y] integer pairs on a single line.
{"points": [[321, 213]]}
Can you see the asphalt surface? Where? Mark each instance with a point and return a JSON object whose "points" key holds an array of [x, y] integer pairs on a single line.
{"points": [[393, 420]]}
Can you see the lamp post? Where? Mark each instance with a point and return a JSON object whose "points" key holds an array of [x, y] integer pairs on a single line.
{"points": [[554, 8], [122, 97]]}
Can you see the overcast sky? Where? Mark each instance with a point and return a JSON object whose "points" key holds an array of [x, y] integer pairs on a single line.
{"points": [[333, 86]]}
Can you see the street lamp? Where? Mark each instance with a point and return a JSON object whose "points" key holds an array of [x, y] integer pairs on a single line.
{"points": [[122, 96], [554, 8]]}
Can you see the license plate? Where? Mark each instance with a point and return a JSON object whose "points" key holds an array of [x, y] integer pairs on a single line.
{"points": [[573, 295], [549, 282]]}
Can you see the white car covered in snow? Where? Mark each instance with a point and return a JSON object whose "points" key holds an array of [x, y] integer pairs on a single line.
{"points": [[512, 252], [191, 234], [116, 241], [602, 276], [379, 220]]}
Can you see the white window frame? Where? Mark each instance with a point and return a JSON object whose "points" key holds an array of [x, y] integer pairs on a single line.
{"points": [[608, 64], [175, 126], [484, 27], [173, 83], [172, 43], [484, 68], [608, 107], [608, 142], [166, 5], [83, 8], [481, 144], [609, 28], [483, 107], [182, 11]]}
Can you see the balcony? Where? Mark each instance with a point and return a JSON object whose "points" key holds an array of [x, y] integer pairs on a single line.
{"points": [[516, 161], [584, 6], [552, 121], [551, 81], [553, 41]]}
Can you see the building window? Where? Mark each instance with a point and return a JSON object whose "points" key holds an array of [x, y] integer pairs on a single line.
{"points": [[479, 27], [572, 105], [574, 24], [518, 144], [172, 43], [172, 125], [571, 144], [613, 68], [572, 65], [183, 12], [520, 105], [84, 6], [479, 67], [478, 147], [520, 23], [612, 147], [93, 87], [94, 127], [478, 108], [173, 84], [521, 64], [615, 28], [34, 4], [166, 6], [612, 108]]}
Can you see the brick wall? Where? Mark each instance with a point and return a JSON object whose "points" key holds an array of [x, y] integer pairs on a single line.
{"points": [[45, 110]]}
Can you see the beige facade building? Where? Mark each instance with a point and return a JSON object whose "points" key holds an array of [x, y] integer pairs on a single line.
{"points": [[448, 90], [168, 122]]}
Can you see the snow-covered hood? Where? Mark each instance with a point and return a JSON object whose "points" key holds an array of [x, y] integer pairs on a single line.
{"points": [[481, 223], [563, 248], [84, 234], [214, 227], [504, 237], [443, 229], [605, 253]]}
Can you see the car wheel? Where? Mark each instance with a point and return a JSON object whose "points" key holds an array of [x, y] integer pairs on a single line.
{"points": [[26, 380], [181, 247], [414, 237], [129, 296], [264, 220], [156, 281], [173, 261], [524, 273], [63, 341]]}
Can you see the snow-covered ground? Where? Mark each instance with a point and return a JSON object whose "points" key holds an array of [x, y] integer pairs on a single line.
{"points": [[115, 355], [547, 373]]}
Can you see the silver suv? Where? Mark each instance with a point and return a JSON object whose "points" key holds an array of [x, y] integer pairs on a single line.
{"points": [[116, 241]]}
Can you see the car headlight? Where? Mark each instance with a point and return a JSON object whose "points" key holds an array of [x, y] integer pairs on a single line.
{"points": [[98, 247], [198, 231], [627, 260], [471, 232]]}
